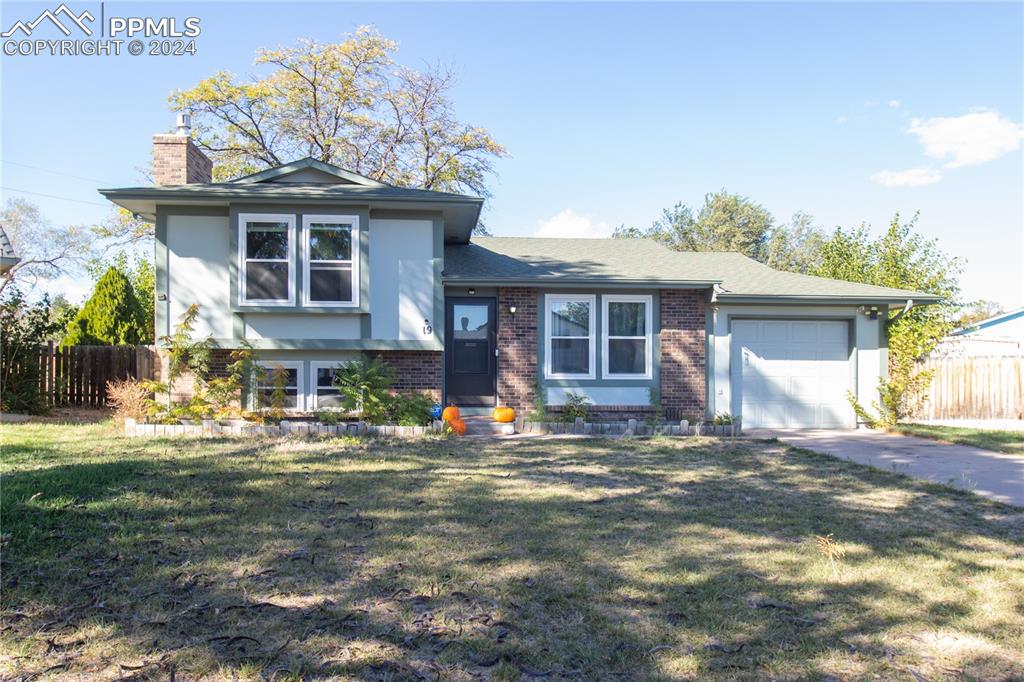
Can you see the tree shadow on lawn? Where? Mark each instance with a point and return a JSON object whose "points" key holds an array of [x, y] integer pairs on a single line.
{"points": [[456, 559]]}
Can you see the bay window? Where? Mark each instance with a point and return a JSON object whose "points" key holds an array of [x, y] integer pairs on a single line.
{"points": [[330, 268], [569, 330], [626, 337], [266, 247]]}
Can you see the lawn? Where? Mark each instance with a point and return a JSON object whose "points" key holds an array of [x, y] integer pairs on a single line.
{"points": [[1010, 442], [469, 559]]}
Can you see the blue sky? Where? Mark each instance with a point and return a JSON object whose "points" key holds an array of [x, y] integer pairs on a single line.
{"points": [[611, 112]]}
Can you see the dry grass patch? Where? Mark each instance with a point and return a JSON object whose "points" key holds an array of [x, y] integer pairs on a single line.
{"points": [[349, 559]]}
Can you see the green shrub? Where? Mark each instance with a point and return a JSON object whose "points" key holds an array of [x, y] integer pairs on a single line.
{"points": [[539, 412], [723, 419], [410, 410], [23, 332], [576, 405], [365, 387]]}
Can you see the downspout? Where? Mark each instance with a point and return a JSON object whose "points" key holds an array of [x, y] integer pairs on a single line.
{"points": [[906, 309]]}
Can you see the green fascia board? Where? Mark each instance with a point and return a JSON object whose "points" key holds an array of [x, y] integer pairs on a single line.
{"points": [[461, 213], [590, 282], [330, 344], [309, 162], [863, 299], [263, 192]]}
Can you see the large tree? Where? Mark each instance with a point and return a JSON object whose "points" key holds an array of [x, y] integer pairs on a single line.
{"points": [[345, 103], [731, 222], [46, 250], [903, 259], [111, 316]]}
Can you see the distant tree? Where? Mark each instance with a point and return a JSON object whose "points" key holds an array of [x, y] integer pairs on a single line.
{"points": [[903, 259], [795, 247], [976, 311], [123, 228], [45, 250], [62, 311], [111, 316], [731, 222], [344, 103]]}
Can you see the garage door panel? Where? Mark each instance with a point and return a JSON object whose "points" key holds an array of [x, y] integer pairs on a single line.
{"points": [[794, 373]]}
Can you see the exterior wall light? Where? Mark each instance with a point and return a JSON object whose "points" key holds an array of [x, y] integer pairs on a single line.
{"points": [[512, 309], [471, 292]]}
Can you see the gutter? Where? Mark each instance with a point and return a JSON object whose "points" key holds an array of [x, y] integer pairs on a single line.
{"points": [[906, 309]]}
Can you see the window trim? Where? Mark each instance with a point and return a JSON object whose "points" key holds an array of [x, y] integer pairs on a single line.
{"points": [[591, 299], [300, 378], [307, 220], [606, 336], [243, 220], [311, 399]]}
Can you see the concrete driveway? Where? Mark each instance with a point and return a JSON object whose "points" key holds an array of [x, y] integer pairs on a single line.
{"points": [[995, 475]]}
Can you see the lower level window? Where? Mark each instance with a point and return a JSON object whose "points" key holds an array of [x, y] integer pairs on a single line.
{"points": [[326, 395], [280, 381]]}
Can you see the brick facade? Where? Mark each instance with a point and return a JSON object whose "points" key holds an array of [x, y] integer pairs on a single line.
{"points": [[683, 345], [517, 347], [416, 371], [178, 161]]}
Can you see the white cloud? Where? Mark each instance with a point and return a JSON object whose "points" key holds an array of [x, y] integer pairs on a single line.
{"points": [[843, 120], [967, 140], [894, 104], [912, 177], [568, 223]]}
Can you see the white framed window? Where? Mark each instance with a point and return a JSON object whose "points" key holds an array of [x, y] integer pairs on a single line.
{"points": [[294, 388], [569, 336], [266, 259], [330, 260], [323, 394], [626, 348]]}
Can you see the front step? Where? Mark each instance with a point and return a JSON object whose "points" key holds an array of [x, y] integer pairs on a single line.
{"points": [[482, 426]]}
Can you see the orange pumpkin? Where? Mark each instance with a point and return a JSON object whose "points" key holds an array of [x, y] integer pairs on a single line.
{"points": [[504, 415], [450, 413], [458, 426]]}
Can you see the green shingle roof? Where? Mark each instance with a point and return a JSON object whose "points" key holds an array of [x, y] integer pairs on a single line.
{"points": [[637, 262]]}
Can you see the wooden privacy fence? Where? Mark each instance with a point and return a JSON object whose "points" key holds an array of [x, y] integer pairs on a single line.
{"points": [[974, 388], [78, 375]]}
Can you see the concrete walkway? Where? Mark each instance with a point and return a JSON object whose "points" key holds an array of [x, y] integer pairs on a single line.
{"points": [[995, 475]]}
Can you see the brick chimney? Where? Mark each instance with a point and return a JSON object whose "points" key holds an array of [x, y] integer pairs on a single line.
{"points": [[177, 160]]}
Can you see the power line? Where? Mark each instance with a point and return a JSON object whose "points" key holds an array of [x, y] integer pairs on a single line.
{"points": [[47, 170], [54, 196]]}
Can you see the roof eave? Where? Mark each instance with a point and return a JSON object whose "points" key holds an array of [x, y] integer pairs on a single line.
{"points": [[556, 282], [918, 299]]}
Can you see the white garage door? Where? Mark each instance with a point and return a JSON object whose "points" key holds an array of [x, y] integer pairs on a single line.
{"points": [[792, 373]]}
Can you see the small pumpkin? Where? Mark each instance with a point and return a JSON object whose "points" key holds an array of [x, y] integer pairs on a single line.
{"points": [[450, 413], [504, 415], [458, 426]]}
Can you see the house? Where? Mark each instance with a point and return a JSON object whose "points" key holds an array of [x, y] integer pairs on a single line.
{"points": [[8, 258], [315, 265], [1001, 334]]}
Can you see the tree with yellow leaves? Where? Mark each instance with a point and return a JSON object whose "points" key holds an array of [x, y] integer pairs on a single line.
{"points": [[344, 103]]}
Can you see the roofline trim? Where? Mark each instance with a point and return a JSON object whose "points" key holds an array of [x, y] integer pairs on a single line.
{"points": [[157, 193], [309, 162], [922, 299], [575, 282]]}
